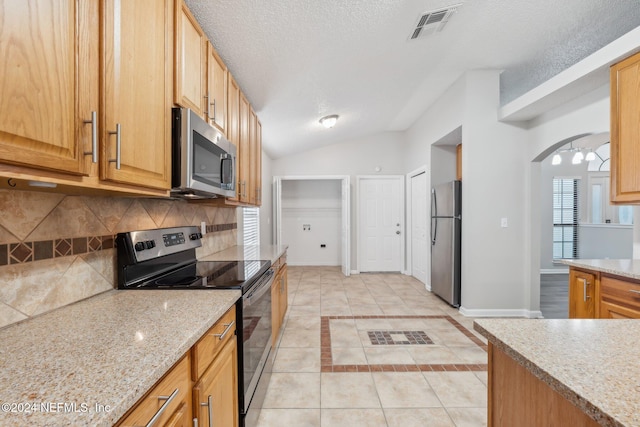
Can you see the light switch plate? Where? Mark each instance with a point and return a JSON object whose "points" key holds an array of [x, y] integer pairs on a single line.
{"points": [[504, 223]]}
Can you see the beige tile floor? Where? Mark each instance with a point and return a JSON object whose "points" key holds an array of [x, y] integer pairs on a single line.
{"points": [[327, 372]]}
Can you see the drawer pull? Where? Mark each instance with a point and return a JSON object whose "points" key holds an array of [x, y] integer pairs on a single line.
{"points": [[94, 137], [118, 134], [164, 406], [209, 405], [228, 327], [584, 289], [634, 291]]}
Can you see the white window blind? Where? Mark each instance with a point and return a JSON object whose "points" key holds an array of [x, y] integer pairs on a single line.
{"points": [[565, 218], [250, 226]]}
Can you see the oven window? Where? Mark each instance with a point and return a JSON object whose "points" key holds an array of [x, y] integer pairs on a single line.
{"points": [[256, 336], [207, 164]]}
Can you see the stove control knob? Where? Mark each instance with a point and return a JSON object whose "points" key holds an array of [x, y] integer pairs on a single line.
{"points": [[195, 236], [149, 244], [139, 246]]}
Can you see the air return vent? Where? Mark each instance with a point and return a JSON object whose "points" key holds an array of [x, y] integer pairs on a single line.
{"points": [[433, 21]]}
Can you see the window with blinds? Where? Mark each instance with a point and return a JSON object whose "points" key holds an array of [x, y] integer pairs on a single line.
{"points": [[565, 218], [250, 226]]}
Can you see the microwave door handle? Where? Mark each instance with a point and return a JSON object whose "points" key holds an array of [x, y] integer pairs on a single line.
{"points": [[223, 158]]}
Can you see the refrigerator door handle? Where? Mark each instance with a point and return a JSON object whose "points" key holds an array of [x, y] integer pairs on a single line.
{"points": [[434, 217]]}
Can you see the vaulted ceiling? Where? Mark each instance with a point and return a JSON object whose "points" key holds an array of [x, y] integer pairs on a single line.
{"points": [[298, 60]]}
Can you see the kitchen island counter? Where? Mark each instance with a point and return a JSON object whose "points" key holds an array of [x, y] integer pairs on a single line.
{"points": [[629, 268], [589, 363], [89, 362]]}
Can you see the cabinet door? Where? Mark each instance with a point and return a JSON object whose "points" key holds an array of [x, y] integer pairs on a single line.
{"points": [[252, 189], [275, 310], [136, 93], [284, 293], [215, 396], [190, 61], [625, 132], [49, 82], [258, 164], [244, 149], [233, 127], [619, 298], [582, 295], [613, 311], [217, 90]]}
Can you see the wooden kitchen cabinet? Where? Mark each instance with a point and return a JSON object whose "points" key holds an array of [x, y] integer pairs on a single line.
{"points": [[48, 86], [279, 298], [215, 394], [216, 110], [582, 294], [244, 149], [178, 409], [136, 87], [625, 131], [190, 43], [80, 71], [619, 299]]}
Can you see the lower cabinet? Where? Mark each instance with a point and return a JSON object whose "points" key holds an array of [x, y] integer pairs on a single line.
{"points": [[201, 389], [582, 294], [279, 297], [169, 401], [595, 295], [215, 395]]}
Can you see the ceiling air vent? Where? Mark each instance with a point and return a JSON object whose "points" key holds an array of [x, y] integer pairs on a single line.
{"points": [[433, 21]]}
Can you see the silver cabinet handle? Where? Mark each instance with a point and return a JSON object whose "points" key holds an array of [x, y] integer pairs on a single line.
{"points": [[195, 422], [209, 405], [94, 137], [244, 187], [118, 134], [584, 289], [214, 110], [282, 285], [164, 406], [634, 291], [228, 327]]}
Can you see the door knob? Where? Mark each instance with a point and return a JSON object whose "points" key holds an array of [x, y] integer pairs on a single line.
{"points": [[398, 232]]}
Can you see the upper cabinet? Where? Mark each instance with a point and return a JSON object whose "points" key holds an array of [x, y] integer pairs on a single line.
{"points": [[625, 131], [216, 98], [136, 87], [83, 107], [190, 60], [48, 86]]}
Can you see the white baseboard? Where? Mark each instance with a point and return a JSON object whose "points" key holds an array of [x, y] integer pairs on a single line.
{"points": [[312, 264], [554, 270], [472, 312], [427, 287], [355, 271]]}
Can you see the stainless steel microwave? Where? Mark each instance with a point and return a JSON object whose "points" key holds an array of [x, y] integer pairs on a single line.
{"points": [[203, 160]]}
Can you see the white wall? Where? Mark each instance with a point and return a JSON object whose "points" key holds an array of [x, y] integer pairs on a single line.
{"points": [[605, 241], [315, 205], [357, 157], [443, 164]]}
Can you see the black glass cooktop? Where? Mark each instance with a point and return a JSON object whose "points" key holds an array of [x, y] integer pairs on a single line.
{"points": [[210, 274]]}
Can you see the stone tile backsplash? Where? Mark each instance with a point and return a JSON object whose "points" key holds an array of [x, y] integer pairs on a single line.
{"points": [[57, 249]]}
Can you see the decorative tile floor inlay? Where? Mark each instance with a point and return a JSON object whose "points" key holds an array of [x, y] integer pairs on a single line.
{"points": [[326, 351], [398, 337]]}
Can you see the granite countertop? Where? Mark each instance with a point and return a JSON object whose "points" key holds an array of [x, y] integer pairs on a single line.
{"points": [[107, 350], [248, 252], [620, 267], [592, 363]]}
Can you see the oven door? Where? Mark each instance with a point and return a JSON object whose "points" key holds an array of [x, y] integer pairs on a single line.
{"points": [[256, 337]]}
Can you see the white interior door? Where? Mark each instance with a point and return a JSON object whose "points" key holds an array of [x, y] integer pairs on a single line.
{"points": [[380, 223], [419, 223], [346, 226], [277, 210]]}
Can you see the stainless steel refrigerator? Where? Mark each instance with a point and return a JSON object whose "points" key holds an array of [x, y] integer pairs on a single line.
{"points": [[446, 221]]}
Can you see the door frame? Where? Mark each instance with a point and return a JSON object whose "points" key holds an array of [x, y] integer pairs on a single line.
{"points": [[400, 178], [408, 241], [345, 181]]}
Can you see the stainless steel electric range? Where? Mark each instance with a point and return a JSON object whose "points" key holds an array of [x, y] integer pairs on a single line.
{"points": [[166, 259]]}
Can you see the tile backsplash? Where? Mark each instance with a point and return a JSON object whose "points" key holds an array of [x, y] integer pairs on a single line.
{"points": [[57, 249]]}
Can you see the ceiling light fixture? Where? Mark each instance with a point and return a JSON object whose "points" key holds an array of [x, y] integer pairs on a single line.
{"points": [[557, 159], [590, 156], [577, 158], [329, 121]]}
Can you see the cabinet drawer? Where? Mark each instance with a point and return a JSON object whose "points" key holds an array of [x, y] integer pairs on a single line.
{"points": [[205, 350], [620, 292], [176, 379]]}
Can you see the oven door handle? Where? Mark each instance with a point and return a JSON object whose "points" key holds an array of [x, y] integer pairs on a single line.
{"points": [[261, 289]]}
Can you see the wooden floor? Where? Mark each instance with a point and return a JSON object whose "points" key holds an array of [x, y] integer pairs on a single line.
{"points": [[554, 296]]}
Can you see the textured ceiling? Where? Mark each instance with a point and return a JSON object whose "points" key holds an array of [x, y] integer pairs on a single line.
{"points": [[298, 60]]}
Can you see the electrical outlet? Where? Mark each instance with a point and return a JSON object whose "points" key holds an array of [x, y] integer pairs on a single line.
{"points": [[306, 227], [203, 228], [322, 245]]}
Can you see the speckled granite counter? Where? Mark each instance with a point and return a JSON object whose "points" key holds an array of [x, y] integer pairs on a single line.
{"points": [[591, 363], [248, 252], [106, 350], [620, 267]]}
